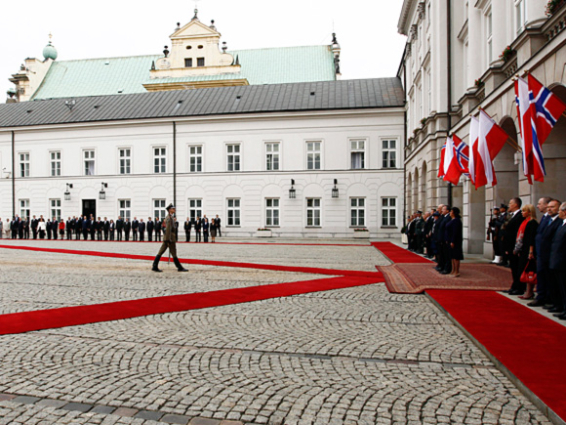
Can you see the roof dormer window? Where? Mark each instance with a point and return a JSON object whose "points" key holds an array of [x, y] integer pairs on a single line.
{"points": [[200, 47], [200, 61], [188, 62], [189, 47]]}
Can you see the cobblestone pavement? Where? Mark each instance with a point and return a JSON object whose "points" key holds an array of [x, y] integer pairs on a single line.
{"points": [[348, 356]]}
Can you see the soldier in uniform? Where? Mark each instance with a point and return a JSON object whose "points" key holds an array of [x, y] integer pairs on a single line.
{"points": [[169, 241], [493, 233]]}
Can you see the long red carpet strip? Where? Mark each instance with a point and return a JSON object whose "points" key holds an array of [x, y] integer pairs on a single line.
{"points": [[312, 270], [397, 254], [81, 315], [529, 345]]}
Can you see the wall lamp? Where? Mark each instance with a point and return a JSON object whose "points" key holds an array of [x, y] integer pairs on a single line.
{"points": [[67, 192], [102, 193], [335, 193], [292, 191]]}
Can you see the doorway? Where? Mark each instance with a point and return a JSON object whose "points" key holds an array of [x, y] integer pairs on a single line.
{"points": [[89, 207]]}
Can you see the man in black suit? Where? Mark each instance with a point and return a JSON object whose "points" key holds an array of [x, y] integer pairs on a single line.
{"points": [[511, 230], [99, 229], [112, 229], [69, 226], [135, 228], [48, 228], [79, 228], [150, 226], [55, 227], [218, 224], [158, 229], [119, 228], [542, 280], [92, 224], [558, 263], [188, 226], [503, 221], [141, 228], [429, 222], [106, 228], [198, 225], [127, 228], [34, 224], [86, 227]]}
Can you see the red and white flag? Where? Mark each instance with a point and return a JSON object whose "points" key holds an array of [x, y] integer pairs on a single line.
{"points": [[491, 139], [526, 125], [441, 165], [474, 155], [453, 168]]}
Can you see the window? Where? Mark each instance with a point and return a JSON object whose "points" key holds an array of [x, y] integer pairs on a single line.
{"points": [[313, 212], [89, 162], [272, 156], [489, 38], [388, 212], [357, 212], [55, 164], [233, 212], [272, 212], [188, 61], [200, 61], [55, 209], [124, 208], [357, 148], [195, 159], [313, 155], [195, 208], [125, 161], [24, 208], [159, 160], [389, 153], [233, 157], [159, 208], [24, 164], [520, 15]]}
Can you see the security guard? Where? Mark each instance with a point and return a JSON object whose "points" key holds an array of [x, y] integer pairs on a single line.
{"points": [[169, 241]]}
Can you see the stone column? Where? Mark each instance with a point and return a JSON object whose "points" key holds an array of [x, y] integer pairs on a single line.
{"points": [[474, 45], [500, 21]]}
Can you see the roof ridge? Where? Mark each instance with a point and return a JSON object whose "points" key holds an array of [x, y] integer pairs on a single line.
{"points": [[106, 58]]}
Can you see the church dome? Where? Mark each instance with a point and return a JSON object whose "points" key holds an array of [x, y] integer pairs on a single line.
{"points": [[50, 52]]}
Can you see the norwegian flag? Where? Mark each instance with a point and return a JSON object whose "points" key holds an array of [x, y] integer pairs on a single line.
{"points": [[462, 152], [529, 142], [548, 108], [454, 160]]}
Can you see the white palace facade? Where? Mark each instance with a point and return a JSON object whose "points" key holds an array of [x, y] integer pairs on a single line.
{"points": [[463, 55], [305, 155]]}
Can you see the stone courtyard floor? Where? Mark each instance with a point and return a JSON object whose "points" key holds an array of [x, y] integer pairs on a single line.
{"points": [[347, 356]]}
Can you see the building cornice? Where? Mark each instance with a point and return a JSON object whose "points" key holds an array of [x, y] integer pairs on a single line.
{"points": [[408, 7]]}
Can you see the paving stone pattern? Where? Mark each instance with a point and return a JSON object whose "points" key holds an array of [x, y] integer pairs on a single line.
{"points": [[349, 356]]}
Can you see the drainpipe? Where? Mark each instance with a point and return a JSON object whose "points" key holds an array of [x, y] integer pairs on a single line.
{"points": [[405, 142], [175, 163], [449, 78], [13, 174]]}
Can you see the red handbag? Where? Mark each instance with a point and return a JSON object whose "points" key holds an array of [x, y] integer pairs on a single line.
{"points": [[529, 275]]}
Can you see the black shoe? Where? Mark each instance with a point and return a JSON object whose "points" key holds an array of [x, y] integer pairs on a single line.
{"points": [[559, 315], [156, 270], [515, 292], [548, 306], [506, 291], [556, 310], [444, 272], [182, 269], [536, 303], [562, 317]]}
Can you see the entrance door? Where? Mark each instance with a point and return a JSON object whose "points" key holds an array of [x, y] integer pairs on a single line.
{"points": [[89, 207]]}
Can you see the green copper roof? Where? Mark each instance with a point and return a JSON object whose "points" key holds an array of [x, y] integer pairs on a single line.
{"points": [[126, 75]]}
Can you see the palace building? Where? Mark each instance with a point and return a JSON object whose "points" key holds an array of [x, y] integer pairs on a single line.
{"points": [[463, 55], [267, 138]]}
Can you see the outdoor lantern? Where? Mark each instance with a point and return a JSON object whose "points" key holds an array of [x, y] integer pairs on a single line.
{"points": [[292, 192], [102, 193], [67, 192], [335, 189]]}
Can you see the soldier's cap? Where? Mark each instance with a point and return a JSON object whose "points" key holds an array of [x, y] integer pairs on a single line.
{"points": [[170, 206], [419, 212], [436, 214], [495, 208]]}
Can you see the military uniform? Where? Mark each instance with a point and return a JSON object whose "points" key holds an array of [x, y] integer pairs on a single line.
{"points": [[169, 242]]}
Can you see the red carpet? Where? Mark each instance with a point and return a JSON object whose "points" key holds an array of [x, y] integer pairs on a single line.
{"points": [[399, 255], [80, 315], [528, 344]]}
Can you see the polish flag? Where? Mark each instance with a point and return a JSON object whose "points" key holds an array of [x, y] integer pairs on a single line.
{"points": [[526, 124], [441, 166], [474, 156], [452, 170], [490, 142]]}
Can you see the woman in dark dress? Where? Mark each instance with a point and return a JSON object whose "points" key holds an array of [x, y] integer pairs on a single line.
{"points": [[525, 245], [454, 230]]}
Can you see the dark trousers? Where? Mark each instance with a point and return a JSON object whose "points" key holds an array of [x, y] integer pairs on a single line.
{"points": [[106, 235], [158, 236], [85, 234], [197, 236], [99, 235], [135, 237], [69, 235], [127, 236], [205, 234], [119, 234], [92, 232], [556, 290], [542, 281], [141, 236], [111, 235], [447, 257], [516, 273], [188, 236]]}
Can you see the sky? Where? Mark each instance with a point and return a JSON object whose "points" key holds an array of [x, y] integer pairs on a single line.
{"points": [[366, 29]]}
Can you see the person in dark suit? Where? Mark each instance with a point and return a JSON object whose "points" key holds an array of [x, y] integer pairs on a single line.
{"points": [[511, 230], [106, 228], [542, 280], [79, 228], [411, 232], [525, 247], [218, 223], [141, 229], [198, 226], [119, 228], [92, 225], [86, 227], [34, 223], [48, 228], [558, 263], [135, 229], [26, 228], [127, 229], [150, 225], [112, 229], [429, 222], [14, 226], [158, 230], [444, 263], [205, 228], [454, 239], [69, 226], [188, 226], [504, 218], [99, 229]]}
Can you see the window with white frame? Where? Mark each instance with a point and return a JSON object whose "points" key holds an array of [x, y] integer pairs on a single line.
{"points": [[272, 156], [124, 208], [24, 164], [489, 36], [160, 160], [313, 212], [358, 154], [233, 157], [357, 212], [24, 208], [55, 163], [233, 212], [125, 155], [271, 212], [55, 209], [195, 208], [520, 15], [313, 155], [159, 208], [195, 159], [389, 153], [389, 212], [89, 159]]}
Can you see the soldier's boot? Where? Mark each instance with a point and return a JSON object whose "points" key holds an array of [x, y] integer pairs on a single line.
{"points": [[155, 264], [179, 266]]}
